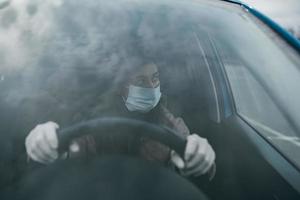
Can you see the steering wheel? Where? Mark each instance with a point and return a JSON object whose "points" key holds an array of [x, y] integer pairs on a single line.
{"points": [[104, 125], [112, 176]]}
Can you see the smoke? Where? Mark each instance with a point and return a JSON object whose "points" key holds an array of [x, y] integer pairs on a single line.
{"points": [[62, 47], [70, 51], [58, 58]]}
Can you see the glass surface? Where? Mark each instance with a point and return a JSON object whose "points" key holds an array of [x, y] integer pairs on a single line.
{"points": [[69, 62]]}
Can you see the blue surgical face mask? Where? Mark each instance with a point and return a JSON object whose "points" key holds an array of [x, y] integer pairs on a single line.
{"points": [[142, 99]]}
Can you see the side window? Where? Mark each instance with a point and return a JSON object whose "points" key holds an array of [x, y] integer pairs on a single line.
{"points": [[255, 104], [263, 74], [260, 106]]}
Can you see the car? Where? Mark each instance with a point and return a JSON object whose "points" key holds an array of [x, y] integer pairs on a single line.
{"points": [[228, 70]]}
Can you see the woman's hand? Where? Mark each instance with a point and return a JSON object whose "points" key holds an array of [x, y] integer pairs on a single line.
{"points": [[42, 143], [198, 159]]}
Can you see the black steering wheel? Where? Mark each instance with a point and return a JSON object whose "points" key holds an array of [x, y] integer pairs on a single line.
{"points": [[112, 176], [104, 125]]}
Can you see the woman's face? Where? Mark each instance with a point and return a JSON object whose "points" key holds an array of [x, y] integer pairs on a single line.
{"points": [[146, 77]]}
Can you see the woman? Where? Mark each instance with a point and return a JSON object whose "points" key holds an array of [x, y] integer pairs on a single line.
{"points": [[138, 97]]}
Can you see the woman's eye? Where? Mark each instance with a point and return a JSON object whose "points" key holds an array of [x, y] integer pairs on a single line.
{"points": [[155, 79]]}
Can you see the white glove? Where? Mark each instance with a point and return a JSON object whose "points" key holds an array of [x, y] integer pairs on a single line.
{"points": [[42, 143], [199, 156]]}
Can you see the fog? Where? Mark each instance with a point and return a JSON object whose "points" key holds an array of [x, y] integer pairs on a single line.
{"points": [[59, 60], [49, 43], [62, 40], [60, 54]]}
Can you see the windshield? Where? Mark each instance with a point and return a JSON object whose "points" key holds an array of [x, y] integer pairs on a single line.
{"points": [[68, 62]]}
